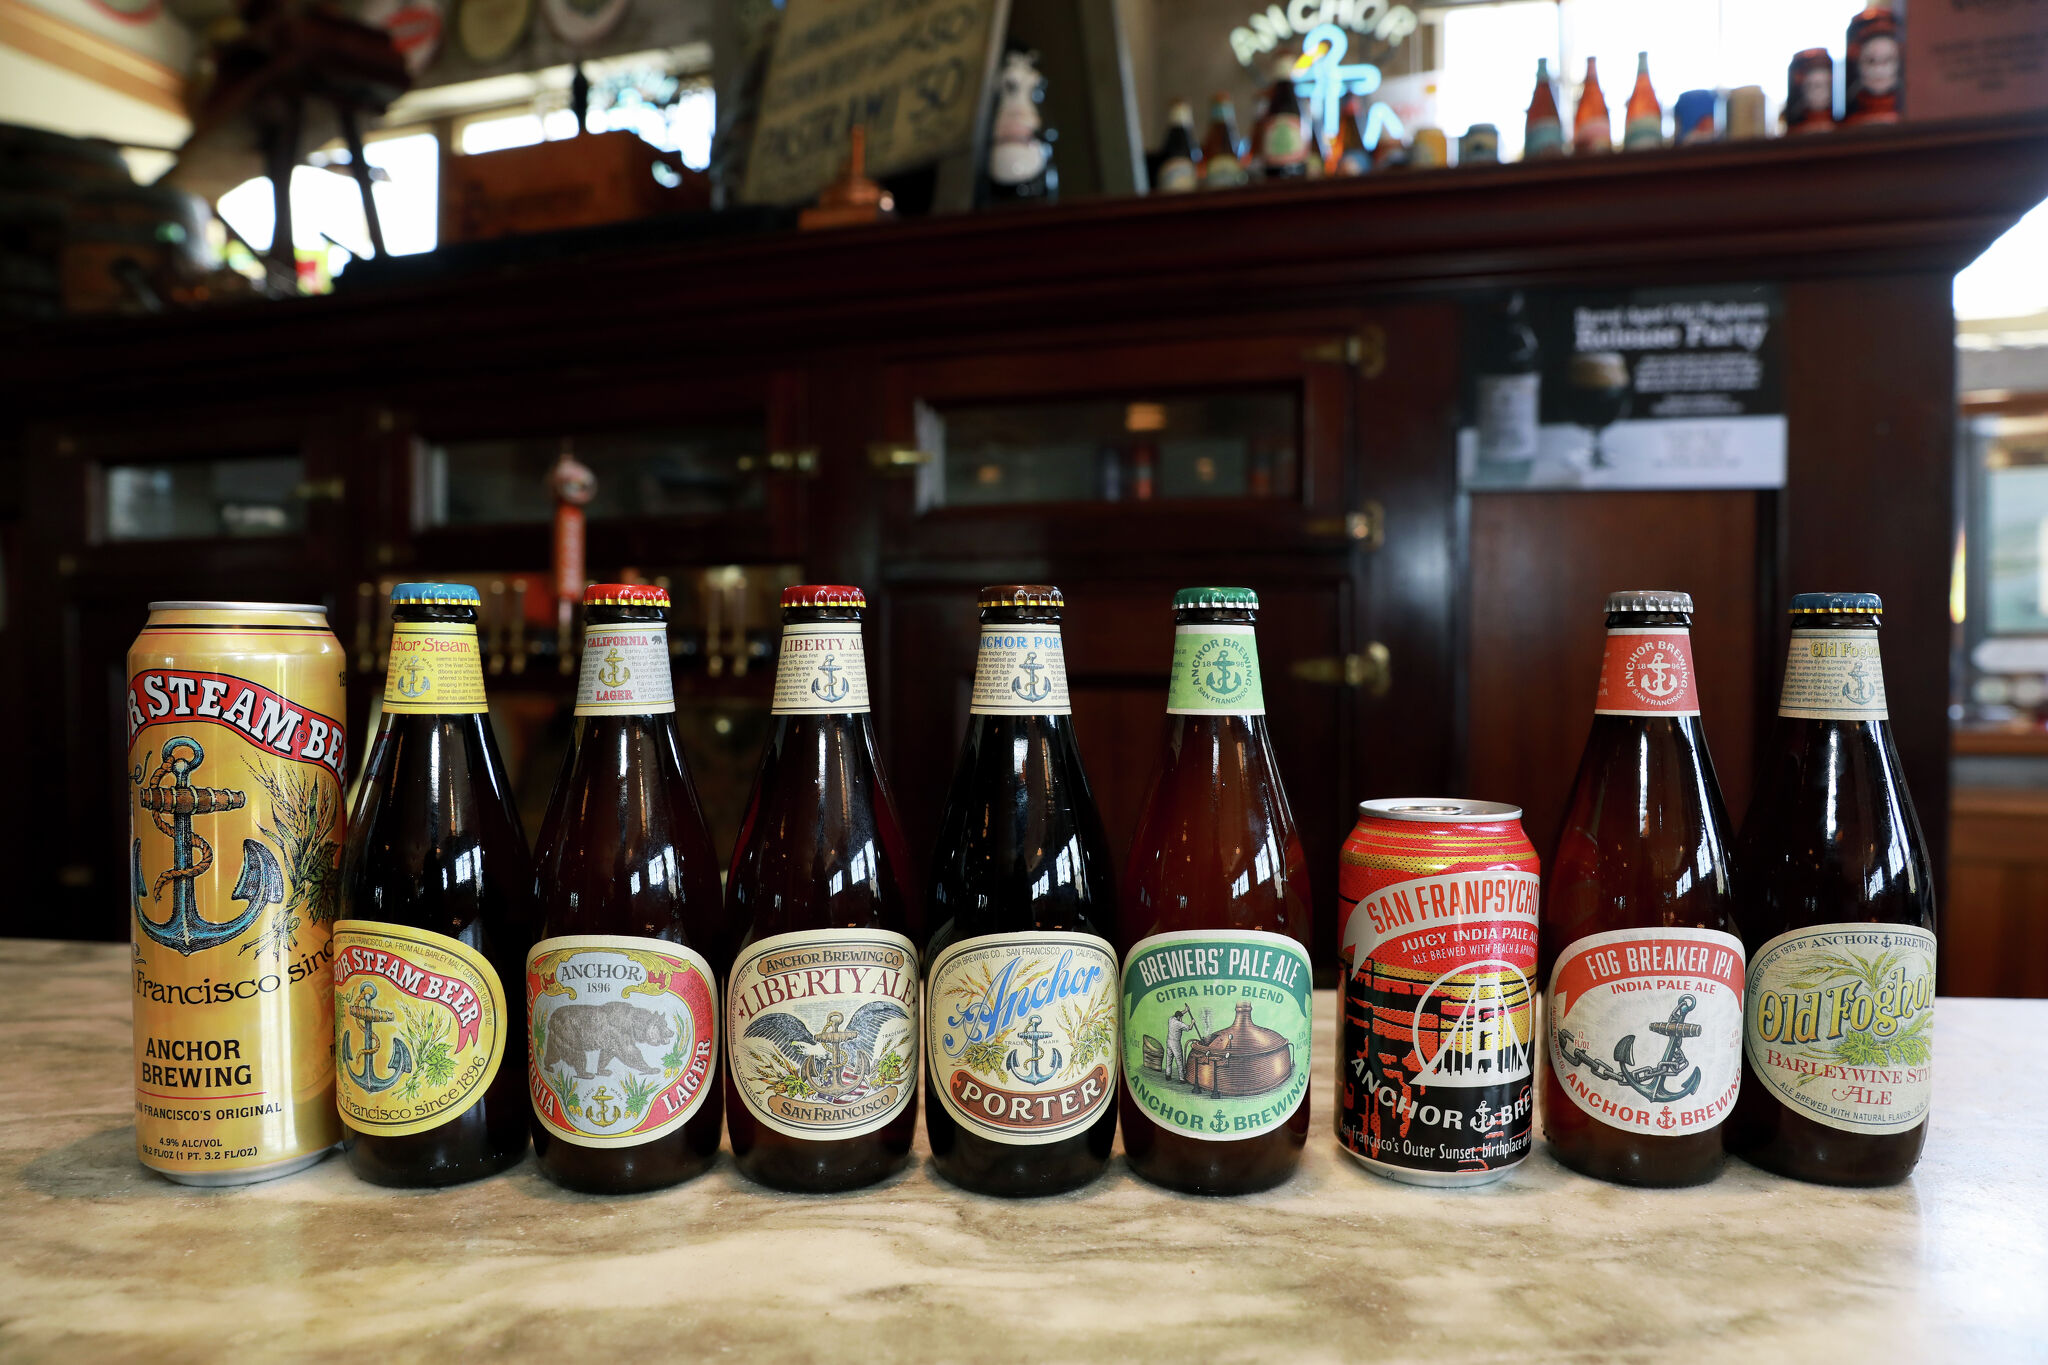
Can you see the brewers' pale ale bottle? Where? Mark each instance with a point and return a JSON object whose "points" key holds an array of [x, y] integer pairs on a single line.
{"points": [[822, 1018], [436, 916], [1216, 993], [622, 988], [1838, 913], [1021, 981], [1639, 938]]}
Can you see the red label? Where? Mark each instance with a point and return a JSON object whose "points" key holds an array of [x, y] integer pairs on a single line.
{"points": [[260, 715], [450, 992], [1647, 671]]}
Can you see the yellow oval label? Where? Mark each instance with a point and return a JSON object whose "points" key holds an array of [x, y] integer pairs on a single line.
{"points": [[419, 1026]]}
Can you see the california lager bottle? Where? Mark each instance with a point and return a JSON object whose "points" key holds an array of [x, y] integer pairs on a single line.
{"points": [[622, 988], [1216, 994], [1020, 992], [1838, 904], [436, 918]]}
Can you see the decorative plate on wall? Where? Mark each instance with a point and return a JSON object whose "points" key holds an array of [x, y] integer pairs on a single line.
{"points": [[417, 28], [489, 29], [582, 22]]}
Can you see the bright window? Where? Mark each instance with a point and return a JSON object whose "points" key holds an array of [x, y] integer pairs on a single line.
{"points": [[327, 209]]}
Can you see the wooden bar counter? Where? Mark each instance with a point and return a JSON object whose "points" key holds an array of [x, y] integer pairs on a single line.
{"points": [[103, 1261]]}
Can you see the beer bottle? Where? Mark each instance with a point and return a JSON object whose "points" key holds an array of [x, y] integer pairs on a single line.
{"points": [[1839, 920], [1180, 160], [1592, 125], [1020, 995], [1543, 133], [1639, 936], [1222, 150], [1281, 140], [622, 987], [436, 916], [1216, 1002], [822, 1014], [1644, 126], [1348, 154]]}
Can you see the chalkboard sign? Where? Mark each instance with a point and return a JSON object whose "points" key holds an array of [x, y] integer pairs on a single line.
{"points": [[913, 72]]}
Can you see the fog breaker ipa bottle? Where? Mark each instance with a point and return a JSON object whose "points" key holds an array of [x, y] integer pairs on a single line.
{"points": [[1639, 938], [622, 987], [1838, 906], [436, 918], [236, 759], [822, 1018], [1020, 990], [1216, 1002]]}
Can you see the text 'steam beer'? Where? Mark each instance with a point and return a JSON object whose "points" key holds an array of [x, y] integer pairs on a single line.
{"points": [[412, 981]]}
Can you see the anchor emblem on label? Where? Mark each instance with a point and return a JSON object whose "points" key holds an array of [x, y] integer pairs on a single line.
{"points": [[172, 808], [614, 672], [601, 1110], [1648, 1081], [1658, 678], [414, 680], [1857, 687], [835, 687], [1225, 675], [1031, 687], [1039, 1074], [363, 1071]]}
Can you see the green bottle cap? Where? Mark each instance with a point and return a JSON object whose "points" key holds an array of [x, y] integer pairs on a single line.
{"points": [[1216, 599]]}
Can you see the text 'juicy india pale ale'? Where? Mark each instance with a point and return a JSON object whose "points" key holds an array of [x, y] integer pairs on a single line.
{"points": [[235, 764], [822, 1018], [1020, 991], [1639, 935], [1839, 918], [436, 918], [1215, 1005], [622, 987]]}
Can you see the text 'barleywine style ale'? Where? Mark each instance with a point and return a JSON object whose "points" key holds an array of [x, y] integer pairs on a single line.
{"points": [[622, 988], [1639, 935], [1020, 990], [436, 916], [1838, 907], [822, 1018], [1216, 997]]}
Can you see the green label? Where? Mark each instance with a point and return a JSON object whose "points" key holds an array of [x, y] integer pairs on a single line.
{"points": [[1216, 1030], [1215, 673]]}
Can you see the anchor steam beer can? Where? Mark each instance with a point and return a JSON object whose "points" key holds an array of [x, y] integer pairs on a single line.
{"points": [[236, 758], [1438, 948]]}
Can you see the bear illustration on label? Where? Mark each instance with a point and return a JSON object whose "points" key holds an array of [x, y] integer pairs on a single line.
{"points": [[614, 1031]]}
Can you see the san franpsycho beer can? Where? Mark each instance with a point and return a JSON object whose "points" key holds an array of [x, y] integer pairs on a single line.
{"points": [[1438, 949], [236, 759]]}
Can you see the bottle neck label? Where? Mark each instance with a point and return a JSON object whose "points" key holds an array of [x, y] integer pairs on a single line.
{"points": [[1834, 675], [1022, 671], [823, 670], [1021, 1033], [436, 670], [1215, 672], [1647, 671], [1646, 1028], [420, 1022], [624, 1039], [625, 671]]}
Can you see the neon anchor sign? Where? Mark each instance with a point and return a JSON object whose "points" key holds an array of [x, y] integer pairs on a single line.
{"points": [[1324, 78]]}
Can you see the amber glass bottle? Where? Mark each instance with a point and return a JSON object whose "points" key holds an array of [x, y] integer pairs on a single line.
{"points": [[822, 1017], [1592, 125], [622, 988], [1222, 164], [1020, 985], [436, 916], [1639, 939], [1283, 144], [1838, 913], [1644, 125], [1348, 155], [1216, 994], [1543, 131]]}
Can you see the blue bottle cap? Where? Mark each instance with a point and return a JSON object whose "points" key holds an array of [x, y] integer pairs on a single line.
{"points": [[434, 594], [1836, 604]]}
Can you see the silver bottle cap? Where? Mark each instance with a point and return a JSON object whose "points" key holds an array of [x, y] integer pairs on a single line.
{"points": [[1648, 600]]}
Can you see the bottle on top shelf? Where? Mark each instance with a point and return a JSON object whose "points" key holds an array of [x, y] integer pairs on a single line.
{"points": [[1543, 133], [1222, 163], [1644, 127], [1592, 125]]}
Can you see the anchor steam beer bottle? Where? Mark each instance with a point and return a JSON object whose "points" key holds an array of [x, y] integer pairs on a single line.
{"points": [[822, 1017], [236, 759], [621, 989], [1639, 933], [436, 917], [1020, 992], [1839, 919], [1215, 1005]]}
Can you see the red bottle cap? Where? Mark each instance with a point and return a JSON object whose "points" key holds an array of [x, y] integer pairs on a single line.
{"points": [[823, 595], [624, 595]]}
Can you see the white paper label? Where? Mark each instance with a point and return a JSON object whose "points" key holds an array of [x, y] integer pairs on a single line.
{"points": [[823, 670], [1022, 671], [625, 671], [1833, 675]]}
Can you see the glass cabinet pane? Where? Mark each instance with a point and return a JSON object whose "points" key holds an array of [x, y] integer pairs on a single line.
{"points": [[706, 471], [201, 499]]}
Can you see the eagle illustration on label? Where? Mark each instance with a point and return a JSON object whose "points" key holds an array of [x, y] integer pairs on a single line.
{"points": [[419, 1023]]}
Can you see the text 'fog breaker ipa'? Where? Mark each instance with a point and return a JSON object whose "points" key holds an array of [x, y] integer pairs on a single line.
{"points": [[622, 986], [236, 763], [822, 1018], [1838, 906], [1639, 937], [436, 918], [1020, 990], [1216, 1001]]}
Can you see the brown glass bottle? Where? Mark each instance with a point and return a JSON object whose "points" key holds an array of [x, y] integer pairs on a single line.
{"points": [[1215, 995], [1639, 943], [1222, 165], [822, 1017], [436, 875], [1021, 973], [623, 982], [1838, 916]]}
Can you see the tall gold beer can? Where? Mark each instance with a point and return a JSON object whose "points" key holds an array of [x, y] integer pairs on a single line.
{"points": [[236, 761]]}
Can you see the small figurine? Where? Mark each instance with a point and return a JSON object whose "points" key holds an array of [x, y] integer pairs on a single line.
{"points": [[852, 199], [1810, 92], [1020, 145]]}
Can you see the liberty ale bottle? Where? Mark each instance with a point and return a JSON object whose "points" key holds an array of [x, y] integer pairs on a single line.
{"points": [[436, 917], [822, 1016], [1216, 994], [1020, 992], [1839, 919], [622, 988], [1639, 933]]}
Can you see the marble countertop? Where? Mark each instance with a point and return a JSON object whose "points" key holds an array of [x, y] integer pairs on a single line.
{"points": [[103, 1261]]}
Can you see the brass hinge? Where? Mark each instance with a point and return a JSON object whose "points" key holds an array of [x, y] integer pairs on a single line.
{"points": [[320, 490], [801, 461], [1365, 349], [1366, 528], [888, 457], [1372, 670]]}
